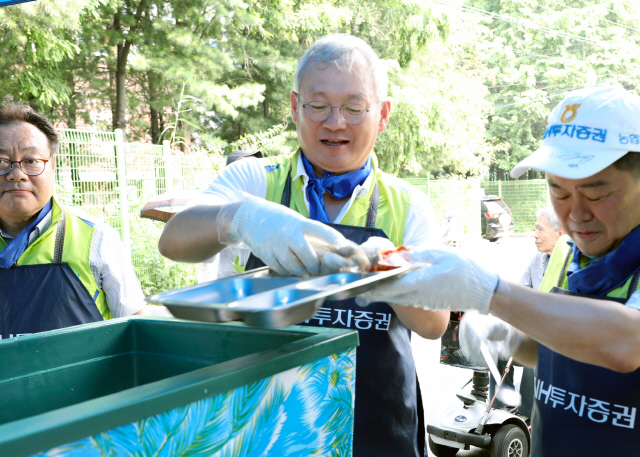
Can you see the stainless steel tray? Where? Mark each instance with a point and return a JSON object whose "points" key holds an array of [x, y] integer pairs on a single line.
{"points": [[263, 301]]}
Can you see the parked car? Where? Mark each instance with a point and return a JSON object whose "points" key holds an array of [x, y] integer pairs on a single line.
{"points": [[495, 218]]}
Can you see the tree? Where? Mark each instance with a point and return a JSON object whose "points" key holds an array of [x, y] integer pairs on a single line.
{"points": [[194, 48], [437, 122], [35, 38], [223, 69], [543, 49]]}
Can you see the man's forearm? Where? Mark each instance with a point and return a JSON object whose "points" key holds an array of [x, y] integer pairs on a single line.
{"points": [[598, 332], [428, 324], [527, 353], [195, 234]]}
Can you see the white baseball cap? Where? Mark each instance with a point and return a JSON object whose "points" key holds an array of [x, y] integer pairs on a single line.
{"points": [[588, 131]]}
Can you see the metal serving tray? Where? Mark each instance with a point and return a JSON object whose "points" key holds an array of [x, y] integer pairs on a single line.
{"points": [[263, 301]]}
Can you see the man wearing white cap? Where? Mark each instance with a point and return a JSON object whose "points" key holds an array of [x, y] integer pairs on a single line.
{"points": [[585, 339]]}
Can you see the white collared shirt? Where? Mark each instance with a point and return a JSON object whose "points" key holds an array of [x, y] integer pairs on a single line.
{"points": [[111, 267]]}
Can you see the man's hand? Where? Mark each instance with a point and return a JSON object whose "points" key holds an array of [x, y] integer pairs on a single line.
{"points": [[443, 281], [501, 339], [284, 240]]}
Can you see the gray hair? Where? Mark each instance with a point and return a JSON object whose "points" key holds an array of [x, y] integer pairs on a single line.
{"points": [[345, 51], [551, 216]]}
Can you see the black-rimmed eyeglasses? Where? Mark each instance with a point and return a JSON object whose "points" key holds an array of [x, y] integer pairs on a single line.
{"points": [[352, 113], [31, 167]]}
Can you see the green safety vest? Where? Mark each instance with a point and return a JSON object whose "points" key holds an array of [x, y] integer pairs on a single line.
{"points": [[77, 248], [393, 206], [556, 274]]}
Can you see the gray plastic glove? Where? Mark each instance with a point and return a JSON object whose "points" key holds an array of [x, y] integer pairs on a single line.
{"points": [[283, 239], [443, 281], [501, 339]]}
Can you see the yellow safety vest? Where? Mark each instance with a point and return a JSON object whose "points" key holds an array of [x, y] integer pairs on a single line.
{"points": [[77, 248], [556, 274], [394, 198]]}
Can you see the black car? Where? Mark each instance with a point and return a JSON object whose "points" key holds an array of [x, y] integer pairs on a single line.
{"points": [[495, 217]]}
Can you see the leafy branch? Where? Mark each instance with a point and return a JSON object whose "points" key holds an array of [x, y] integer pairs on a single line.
{"points": [[255, 141], [174, 138]]}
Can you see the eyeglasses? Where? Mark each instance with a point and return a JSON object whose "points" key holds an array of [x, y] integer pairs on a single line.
{"points": [[352, 113], [31, 167]]}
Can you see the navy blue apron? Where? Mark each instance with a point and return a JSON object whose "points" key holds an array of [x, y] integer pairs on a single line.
{"points": [[389, 418], [582, 409], [36, 298]]}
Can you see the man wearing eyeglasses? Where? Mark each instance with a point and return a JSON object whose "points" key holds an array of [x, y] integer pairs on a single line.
{"points": [[339, 105], [57, 268]]}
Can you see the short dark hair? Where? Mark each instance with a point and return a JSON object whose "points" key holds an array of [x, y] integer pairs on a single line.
{"points": [[629, 162], [11, 112]]}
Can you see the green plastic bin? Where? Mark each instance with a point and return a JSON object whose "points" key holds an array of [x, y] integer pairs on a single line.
{"points": [[160, 386]]}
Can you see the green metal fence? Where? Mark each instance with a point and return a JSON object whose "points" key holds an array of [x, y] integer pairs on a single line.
{"points": [[459, 199], [112, 180], [524, 198]]}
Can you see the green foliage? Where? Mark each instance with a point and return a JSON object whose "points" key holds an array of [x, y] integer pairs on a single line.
{"points": [[174, 138], [472, 83], [155, 272], [542, 49], [163, 274], [36, 37], [437, 124], [232, 63], [260, 140]]}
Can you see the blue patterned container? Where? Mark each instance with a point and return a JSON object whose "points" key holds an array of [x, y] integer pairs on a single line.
{"points": [[163, 387]]}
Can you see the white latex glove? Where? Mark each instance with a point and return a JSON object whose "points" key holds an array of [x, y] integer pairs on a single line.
{"points": [[501, 339], [283, 239], [443, 281]]}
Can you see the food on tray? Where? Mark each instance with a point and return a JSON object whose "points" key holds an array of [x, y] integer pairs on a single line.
{"points": [[383, 255], [376, 254], [388, 260]]}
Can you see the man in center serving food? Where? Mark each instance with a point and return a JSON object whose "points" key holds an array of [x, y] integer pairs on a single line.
{"points": [[275, 205]]}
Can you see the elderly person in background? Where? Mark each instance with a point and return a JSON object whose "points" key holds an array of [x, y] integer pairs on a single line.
{"points": [[547, 234], [57, 268], [339, 105]]}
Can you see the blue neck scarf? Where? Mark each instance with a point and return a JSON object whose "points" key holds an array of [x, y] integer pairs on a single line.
{"points": [[339, 187], [14, 250], [610, 271]]}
